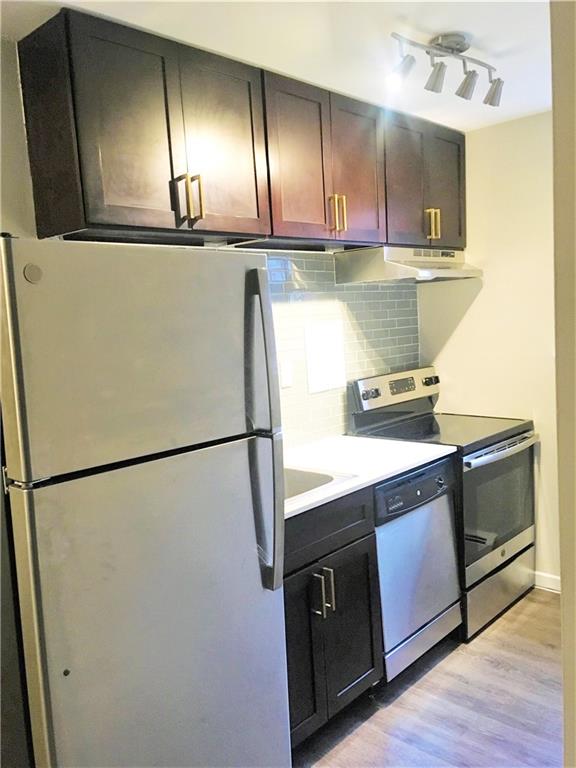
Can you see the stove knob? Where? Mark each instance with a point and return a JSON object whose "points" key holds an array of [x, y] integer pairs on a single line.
{"points": [[365, 394], [440, 482]]}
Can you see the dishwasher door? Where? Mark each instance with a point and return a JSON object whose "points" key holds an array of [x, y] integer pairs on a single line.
{"points": [[417, 568]]}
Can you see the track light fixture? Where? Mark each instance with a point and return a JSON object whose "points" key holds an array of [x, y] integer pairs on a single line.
{"points": [[450, 45]]}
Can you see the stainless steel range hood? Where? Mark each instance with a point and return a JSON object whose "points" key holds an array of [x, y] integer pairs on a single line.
{"points": [[392, 264]]}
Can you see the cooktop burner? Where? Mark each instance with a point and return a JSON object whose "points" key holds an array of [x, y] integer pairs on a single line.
{"points": [[471, 433]]}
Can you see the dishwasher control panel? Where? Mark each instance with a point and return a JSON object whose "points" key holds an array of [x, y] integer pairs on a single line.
{"points": [[402, 494]]}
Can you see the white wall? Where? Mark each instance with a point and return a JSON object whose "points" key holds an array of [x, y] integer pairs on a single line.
{"points": [[493, 343]]}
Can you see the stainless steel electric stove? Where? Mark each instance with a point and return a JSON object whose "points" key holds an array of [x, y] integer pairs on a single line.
{"points": [[496, 457]]}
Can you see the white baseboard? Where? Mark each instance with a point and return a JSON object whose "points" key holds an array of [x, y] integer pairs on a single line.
{"points": [[547, 581]]}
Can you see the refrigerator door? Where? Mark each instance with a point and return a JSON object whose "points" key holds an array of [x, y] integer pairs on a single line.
{"points": [[118, 351], [149, 638]]}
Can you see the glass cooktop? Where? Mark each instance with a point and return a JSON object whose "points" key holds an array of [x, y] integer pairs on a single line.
{"points": [[471, 433]]}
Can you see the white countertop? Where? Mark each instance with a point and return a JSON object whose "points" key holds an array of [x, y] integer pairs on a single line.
{"points": [[355, 462]]}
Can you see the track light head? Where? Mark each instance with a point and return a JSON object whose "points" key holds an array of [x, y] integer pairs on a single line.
{"points": [[492, 98], [435, 82], [466, 87], [403, 68]]}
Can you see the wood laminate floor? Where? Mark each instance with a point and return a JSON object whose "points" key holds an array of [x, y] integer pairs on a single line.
{"points": [[495, 703]]}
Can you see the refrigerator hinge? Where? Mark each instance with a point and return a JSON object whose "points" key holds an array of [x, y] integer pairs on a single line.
{"points": [[5, 481], [8, 483]]}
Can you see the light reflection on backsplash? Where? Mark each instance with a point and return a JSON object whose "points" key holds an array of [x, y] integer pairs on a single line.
{"points": [[380, 334]]}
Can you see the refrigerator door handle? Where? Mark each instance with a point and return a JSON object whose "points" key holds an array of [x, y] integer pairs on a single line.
{"points": [[257, 287], [267, 481], [278, 512]]}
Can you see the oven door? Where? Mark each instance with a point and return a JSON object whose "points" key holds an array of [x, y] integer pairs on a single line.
{"points": [[498, 504]]}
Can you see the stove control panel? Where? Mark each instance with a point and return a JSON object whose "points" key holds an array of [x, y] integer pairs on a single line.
{"points": [[400, 386], [378, 391]]}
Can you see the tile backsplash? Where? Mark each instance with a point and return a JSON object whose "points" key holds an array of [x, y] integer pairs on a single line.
{"points": [[329, 334]]}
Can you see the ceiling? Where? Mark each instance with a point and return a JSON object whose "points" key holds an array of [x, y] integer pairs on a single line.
{"points": [[347, 46]]}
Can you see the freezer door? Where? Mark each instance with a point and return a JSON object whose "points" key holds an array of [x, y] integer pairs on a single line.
{"points": [[118, 351], [150, 639]]}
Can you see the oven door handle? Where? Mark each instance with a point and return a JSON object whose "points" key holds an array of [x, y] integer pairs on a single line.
{"points": [[499, 455]]}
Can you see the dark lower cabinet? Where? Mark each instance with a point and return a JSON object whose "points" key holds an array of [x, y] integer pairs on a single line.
{"points": [[333, 634], [305, 653]]}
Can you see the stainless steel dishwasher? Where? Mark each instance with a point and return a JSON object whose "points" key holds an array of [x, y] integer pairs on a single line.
{"points": [[417, 563]]}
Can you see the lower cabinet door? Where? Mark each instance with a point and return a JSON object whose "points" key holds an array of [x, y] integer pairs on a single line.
{"points": [[306, 681], [353, 630]]}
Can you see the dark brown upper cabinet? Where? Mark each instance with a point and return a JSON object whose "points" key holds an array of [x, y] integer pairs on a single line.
{"points": [[129, 130], [446, 185], [299, 158], [104, 124], [326, 159], [425, 183], [225, 143], [358, 169], [132, 136]]}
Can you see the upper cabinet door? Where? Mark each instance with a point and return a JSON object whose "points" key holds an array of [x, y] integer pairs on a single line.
{"points": [[358, 168], [446, 185], [225, 143], [425, 183], [405, 180], [129, 122], [300, 157]]}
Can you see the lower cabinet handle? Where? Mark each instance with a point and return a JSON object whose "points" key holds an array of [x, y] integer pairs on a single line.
{"points": [[322, 611], [332, 603]]}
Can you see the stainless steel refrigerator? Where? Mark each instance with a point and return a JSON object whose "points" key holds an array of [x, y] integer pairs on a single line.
{"points": [[144, 472]]}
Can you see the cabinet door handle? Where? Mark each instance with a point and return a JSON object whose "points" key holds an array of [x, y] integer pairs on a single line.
{"points": [[322, 611], [335, 213], [438, 224], [198, 178], [332, 603], [187, 178], [432, 214], [344, 213]]}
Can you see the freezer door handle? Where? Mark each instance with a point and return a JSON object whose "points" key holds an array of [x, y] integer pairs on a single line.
{"points": [[267, 480], [257, 287]]}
